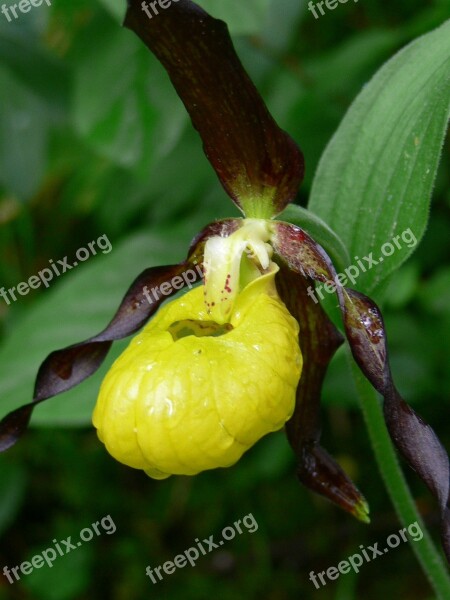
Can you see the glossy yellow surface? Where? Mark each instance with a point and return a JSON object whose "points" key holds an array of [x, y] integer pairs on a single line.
{"points": [[176, 402]]}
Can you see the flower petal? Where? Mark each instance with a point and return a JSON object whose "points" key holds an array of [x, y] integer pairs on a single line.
{"points": [[319, 339], [258, 164], [168, 405], [63, 369], [414, 439]]}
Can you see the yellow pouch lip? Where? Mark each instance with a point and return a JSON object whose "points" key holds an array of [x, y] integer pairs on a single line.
{"points": [[156, 338]]}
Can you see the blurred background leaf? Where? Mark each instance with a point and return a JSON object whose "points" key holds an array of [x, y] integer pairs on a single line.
{"points": [[14, 481], [81, 306], [115, 7], [241, 17]]}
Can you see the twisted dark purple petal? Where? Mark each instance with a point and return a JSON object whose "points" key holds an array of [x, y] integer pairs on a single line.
{"points": [[63, 369], [319, 340], [414, 439]]}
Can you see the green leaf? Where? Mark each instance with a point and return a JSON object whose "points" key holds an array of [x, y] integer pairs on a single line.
{"points": [[375, 179], [79, 307]]}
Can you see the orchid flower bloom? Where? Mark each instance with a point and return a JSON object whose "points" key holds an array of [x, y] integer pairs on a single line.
{"points": [[245, 352]]}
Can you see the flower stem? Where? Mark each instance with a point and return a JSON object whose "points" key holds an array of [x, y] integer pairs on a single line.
{"points": [[397, 487]]}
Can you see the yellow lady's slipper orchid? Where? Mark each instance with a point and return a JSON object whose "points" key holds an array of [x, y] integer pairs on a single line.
{"points": [[189, 394], [219, 368]]}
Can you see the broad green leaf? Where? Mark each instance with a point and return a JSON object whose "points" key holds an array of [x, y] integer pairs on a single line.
{"points": [[375, 179], [79, 307]]}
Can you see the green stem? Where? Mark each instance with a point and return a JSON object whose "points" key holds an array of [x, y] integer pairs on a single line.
{"points": [[397, 488]]}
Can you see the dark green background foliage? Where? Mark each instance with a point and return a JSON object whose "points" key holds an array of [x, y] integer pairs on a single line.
{"points": [[94, 141]]}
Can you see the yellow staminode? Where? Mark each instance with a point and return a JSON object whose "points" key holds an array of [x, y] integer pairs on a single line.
{"points": [[189, 394]]}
